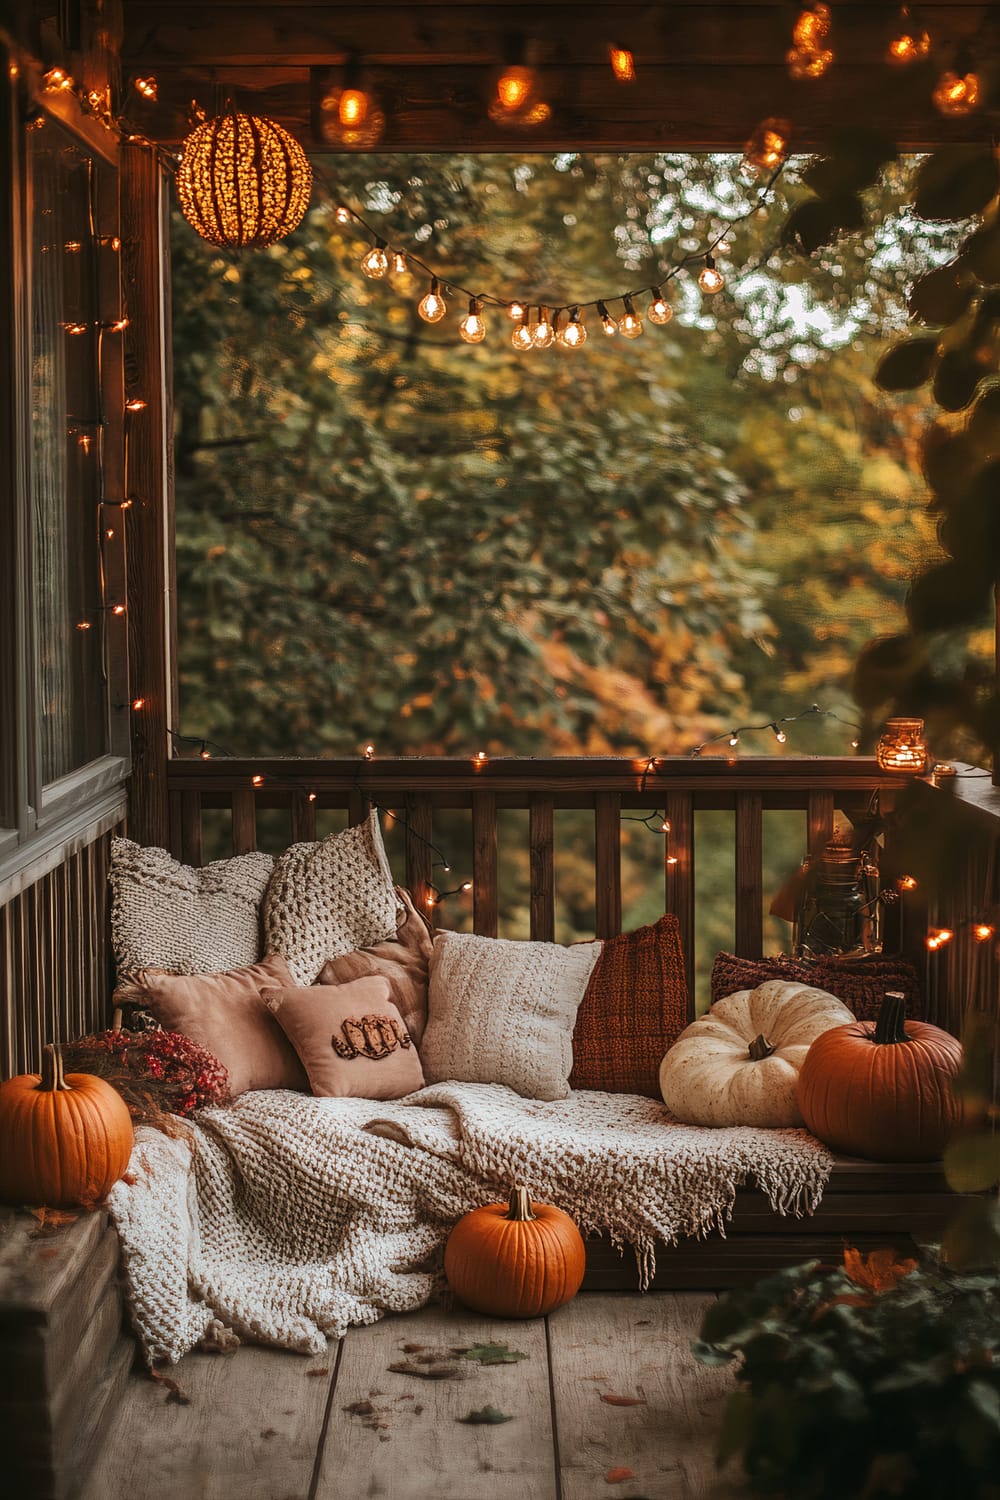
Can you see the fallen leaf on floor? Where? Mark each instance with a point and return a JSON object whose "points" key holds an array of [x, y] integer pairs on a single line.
{"points": [[269, 1432], [174, 1392], [50, 1221], [428, 1372], [406, 1396], [618, 1476], [491, 1354], [323, 1370], [417, 1410], [413, 1348], [644, 1323], [360, 1409], [486, 1416], [622, 1400]]}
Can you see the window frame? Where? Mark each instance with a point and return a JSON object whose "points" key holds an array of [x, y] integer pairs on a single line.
{"points": [[37, 820]]}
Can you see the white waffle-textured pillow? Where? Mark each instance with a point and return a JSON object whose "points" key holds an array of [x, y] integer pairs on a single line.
{"points": [[165, 915], [329, 898], [503, 1012]]}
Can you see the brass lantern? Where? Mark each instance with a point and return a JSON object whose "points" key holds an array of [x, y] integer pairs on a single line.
{"points": [[902, 747], [243, 181]]}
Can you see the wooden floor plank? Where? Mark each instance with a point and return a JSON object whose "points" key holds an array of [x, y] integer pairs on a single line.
{"points": [[251, 1430], [413, 1444], [636, 1348]]}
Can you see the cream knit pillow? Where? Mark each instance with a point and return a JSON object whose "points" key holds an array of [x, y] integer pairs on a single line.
{"points": [[330, 898], [165, 915], [503, 1012]]}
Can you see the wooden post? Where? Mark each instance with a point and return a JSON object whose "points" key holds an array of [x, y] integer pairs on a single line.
{"points": [[149, 481]]}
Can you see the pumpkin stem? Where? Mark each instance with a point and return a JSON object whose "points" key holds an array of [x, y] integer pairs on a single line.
{"points": [[759, 1048], [53, 1078], [890, 1026], [520, 1205]]}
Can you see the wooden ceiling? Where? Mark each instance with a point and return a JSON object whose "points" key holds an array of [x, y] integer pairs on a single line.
{"points": [[706, 72]]}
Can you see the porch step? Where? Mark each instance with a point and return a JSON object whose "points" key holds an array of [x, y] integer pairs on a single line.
{"points": [[64, 1354]]}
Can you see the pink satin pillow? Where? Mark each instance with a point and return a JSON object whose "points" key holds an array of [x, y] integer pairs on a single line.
{"points": [[225, 1013], [350, 1038]]}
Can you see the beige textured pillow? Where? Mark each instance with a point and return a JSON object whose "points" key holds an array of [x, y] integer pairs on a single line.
{"points": [[404, 960], [225, 1013], [329, 898], [166, 915], [350, 1038], [503, 1012]]}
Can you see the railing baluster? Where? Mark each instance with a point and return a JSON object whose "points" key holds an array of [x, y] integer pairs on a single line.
{"points": [[419, 854], [174, 818], [749, 874], [542, 844], [244, 821], [485, 892], [191, 828], [358, 806], [679, 878], [303, 818], [607, 863]]}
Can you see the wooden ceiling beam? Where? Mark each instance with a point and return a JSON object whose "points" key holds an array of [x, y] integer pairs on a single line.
{"points": [[444, 108]]}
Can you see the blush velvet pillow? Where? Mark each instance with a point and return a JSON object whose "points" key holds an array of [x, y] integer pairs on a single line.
{"points": [[350, 1038], [404, 960], [503, 1012], [635, 1008], [225, 1013]]}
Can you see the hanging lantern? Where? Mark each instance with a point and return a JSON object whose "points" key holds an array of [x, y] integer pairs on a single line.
{"points": [[902, 747], [243, 181]]}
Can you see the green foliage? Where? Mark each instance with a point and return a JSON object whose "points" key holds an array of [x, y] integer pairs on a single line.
{"points": [[850, 1391]]}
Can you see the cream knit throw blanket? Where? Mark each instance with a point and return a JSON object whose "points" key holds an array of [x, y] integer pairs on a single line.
{"points": [[287, 1219]]}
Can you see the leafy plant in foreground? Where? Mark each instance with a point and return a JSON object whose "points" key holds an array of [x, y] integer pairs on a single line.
{"points": [[878, 1378]]}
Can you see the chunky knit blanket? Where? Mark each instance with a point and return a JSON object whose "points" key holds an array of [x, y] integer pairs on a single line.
{"points": [[286, 1219]]}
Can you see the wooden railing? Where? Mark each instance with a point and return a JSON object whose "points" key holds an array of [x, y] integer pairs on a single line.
{"points": [[421, 790]]}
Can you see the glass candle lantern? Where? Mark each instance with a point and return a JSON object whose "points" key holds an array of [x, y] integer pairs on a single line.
{"points": [[902, 747]]}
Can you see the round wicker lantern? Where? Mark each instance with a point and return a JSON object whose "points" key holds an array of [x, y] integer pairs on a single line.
{"points": [[243, 180]]}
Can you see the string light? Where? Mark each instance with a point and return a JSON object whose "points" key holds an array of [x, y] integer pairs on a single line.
{"points": [[734, 738], [909, 44], [472, 327], [516, 311], [983, 931], [574, 334], [399, 266], [775, 725], [311, 797], [543, 334], [809, 58], [711, 279], [907, 883], [83, 625], [57, 81], [767, 147], [480, 760], [257, 780], [622, 64], [938, 937], [956, 95], [779, 734], [659, 310], [522, 338], [376, 263], [138, 704], [608, 323], [147, 87], [432, 307], [118, 609], [75, 329], [369, 752], [136, 403], [631, 323], [342, 215]]}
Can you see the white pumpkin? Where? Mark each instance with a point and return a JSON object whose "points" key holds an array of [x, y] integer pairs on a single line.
{"points": [[739, 1064]]}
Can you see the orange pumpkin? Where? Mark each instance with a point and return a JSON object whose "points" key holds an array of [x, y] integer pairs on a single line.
{"points": [[65, 1139], [882, 1090], [516, 1259]]}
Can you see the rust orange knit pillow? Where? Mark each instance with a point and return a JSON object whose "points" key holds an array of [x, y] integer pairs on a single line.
{"points": [[634, 1008]]}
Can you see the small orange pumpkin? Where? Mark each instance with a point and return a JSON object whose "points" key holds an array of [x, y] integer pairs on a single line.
{"points": [[515, 1260], [65, 1139], [883, 1090]]}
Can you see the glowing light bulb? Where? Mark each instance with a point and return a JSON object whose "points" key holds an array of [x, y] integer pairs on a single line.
{"points": [[466, 885], [808, 64], [514, 88], [376, 263], [734, 738], [938, 937], [75, 328], [907, 883], [767, 148], [472, 328], [57, 81], [522, 338], [399, 265], [138, 704], [956, 95], [369, 752], [83, 624], [711, 279], [909, 44], [432, 307], [608, 323], [430, 901], [352, 109], [136, 403], [779, 734], [983, 931], [109, 532], [671, 859], [146, 87], [342, 215], [257, 780], [660, 310], [516, 311], [543, 334], [622, 64], [311, 797], [574, 334], [205, 753], [480, 759], [118, 609], [665, 826], [631, 323], [855, 744]]}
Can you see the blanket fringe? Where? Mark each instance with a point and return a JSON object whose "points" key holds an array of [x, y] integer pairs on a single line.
{"points": [[218, 1339]]}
